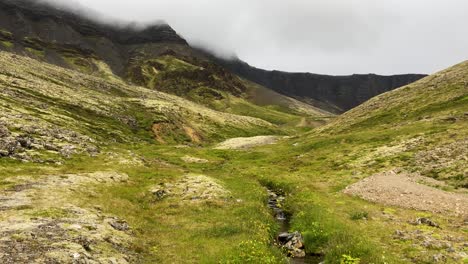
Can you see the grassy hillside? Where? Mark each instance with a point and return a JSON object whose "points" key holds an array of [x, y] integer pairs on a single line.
{"points": [[93, 144], [415, 131], [426, 120], [94, 169], [206, 83]]}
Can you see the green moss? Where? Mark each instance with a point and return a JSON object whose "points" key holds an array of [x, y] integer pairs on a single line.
{"points": [[7, 44], [36, 52], [81, 64]]}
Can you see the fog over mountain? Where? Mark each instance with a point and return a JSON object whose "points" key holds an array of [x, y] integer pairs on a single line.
{"points": [[332, 37]]}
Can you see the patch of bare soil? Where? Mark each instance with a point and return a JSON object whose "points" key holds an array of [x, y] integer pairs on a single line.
{"points": [[40, 224], [405, 190], [247, 142]]}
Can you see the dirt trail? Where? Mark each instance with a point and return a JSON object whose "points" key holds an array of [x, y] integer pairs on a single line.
{"points": [[40, 224], [247, 142], [405, 190]]}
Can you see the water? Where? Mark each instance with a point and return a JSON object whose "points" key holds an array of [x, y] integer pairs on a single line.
{"points": [[275, 201]]}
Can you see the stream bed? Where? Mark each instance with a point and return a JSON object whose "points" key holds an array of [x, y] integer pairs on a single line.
{"points": [[292, 242]]}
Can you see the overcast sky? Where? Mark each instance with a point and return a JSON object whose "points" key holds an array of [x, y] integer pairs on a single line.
{"points": [[320, 36]]}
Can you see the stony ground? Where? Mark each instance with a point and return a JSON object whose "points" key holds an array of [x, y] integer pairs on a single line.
{"points": [[41, 223], [407, 190]]}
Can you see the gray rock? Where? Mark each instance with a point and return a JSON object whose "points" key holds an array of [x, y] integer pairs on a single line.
{"points": [[120, 225], [49, 146], [8, 146], [293, 243], [67, 151], [25, 141], [425, 221], [159, 193]]}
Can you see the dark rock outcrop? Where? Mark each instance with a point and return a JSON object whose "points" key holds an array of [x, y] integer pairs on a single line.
{"points": [[26, 18], [57, 33], [333, 93]]}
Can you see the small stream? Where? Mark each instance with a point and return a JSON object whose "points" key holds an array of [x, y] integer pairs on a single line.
{"points": [[275, 201]]}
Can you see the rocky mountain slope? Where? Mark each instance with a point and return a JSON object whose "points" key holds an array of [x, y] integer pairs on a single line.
{"points": [[334, 93], [154, 57], [443, 104], [60, 37], [47, 109]]}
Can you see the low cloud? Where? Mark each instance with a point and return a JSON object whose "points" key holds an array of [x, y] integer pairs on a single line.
{"points": [[327, 36]]}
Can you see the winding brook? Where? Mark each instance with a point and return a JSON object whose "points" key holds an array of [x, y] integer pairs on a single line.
{"points": [[293, 243]]}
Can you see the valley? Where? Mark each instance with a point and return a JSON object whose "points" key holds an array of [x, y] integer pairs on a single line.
{"points": [[221, 216], [122, 146]]}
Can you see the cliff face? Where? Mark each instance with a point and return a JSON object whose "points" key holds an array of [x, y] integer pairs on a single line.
{"points": [[55, 33], [28, 18], [333, 93]]}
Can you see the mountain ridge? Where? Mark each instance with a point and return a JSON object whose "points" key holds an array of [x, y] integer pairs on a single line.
{"points": [[71, 40], [337, 93]]}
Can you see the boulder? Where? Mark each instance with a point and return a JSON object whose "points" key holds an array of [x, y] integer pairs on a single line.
{"points": [[120, 225], [293, 243]]}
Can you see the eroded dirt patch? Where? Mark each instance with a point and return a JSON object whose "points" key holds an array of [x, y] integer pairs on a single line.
{"points": [[405, 190]]}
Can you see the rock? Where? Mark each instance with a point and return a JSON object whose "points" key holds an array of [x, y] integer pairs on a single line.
{"points": [[425, 221], [159, 193], [49, 146], [428, 243], [67, 151], [119, 225], [293, 243], [9, 146], [25, 141], [92, 151], [284, 237], [450, 249]]}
